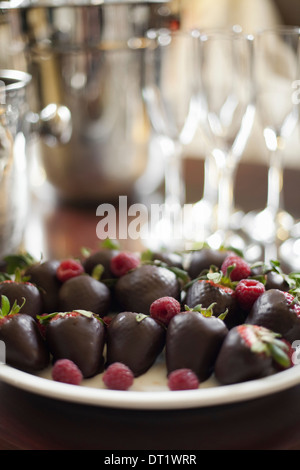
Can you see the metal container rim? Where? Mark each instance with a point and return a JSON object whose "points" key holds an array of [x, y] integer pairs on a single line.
{"points": [[19, 79], [24, 4]]}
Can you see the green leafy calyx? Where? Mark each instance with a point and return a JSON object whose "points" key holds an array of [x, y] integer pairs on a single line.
{"points": [[6, 308]]}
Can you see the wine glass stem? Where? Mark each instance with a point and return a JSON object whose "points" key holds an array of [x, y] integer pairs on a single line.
{"points": [[275, 183], [210, 187], [174, 180], [225, 198]]}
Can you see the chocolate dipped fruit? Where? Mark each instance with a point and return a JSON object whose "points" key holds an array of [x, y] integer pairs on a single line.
{"points": [[279, 311], [43, 275], [18, 290], [134, 339], [78, 336], [86, 293], [193, 341], [251, 352], [138, 289], [206, 292], [25, 348], [203, 259]]}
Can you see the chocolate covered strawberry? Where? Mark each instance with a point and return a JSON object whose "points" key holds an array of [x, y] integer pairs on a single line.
{"points": [[279, 311], [25, 348], [169, 258], [43, 276], [251, 352], [139, 288], [84, 292], [272, 276], [17, 290], [99, 261], [78, 336], [193, 341], [206, 292], [135, 340], [201, 260]]}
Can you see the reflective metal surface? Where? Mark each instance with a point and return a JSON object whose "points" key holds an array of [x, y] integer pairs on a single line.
{"points": [[14, 131], [83, 62]]}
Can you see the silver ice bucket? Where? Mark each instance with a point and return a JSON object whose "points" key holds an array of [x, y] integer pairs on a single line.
{"points": [[14, 133], [82, 60]]}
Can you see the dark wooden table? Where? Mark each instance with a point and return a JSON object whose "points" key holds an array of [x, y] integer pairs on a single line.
{"points": [[32, 422], [29, 421]]}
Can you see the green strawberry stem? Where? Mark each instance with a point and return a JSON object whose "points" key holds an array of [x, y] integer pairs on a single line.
{"points": [[292, 279], [181, 274], [6, 309], [45, 319], [140, 317], [279, 355], [269, 343], [206, 312], [97, 272], [216, 276], [110, 244], [18, 261]]}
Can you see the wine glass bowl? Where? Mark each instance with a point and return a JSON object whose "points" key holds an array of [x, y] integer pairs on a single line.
{"points": [[227, 108], [277, 59], [169, 94]]}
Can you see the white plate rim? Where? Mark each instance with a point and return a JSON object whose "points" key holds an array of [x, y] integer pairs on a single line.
{"points": [[145, 400]]}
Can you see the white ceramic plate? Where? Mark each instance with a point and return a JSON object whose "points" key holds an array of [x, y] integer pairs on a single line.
{"points": [[149, 391]]}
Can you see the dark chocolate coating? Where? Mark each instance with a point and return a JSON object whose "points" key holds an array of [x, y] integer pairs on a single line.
{"points": [[78, 338], [237, 363], [276, 281], [102, 257], [24, 346], [272, 311], [136, 343], [84, 293], [171, 259], [43, 275], [193, 341], [18, 291], [204, 259], [206, 293], [273, 279], [136, 290]]}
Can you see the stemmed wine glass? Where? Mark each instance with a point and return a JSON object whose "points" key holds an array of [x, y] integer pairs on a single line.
{"points": [[227, 109], [169, 94], [277, 68]]}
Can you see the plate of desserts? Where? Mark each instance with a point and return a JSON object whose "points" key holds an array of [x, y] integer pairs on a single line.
{"points": [[150, 330]]}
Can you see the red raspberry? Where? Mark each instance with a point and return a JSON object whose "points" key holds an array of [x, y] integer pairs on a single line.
{"points": [[241, 270], [124, 262], [164, 309], [66, 371], [106, 319], [183, 379], [69, 268], [247, 291], [118, 377], [292, 301]]}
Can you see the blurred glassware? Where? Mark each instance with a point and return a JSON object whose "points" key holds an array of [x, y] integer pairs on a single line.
{"points": [[14, 133], [277, 69], [227, 109], [169, 94], [79, 57]]}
